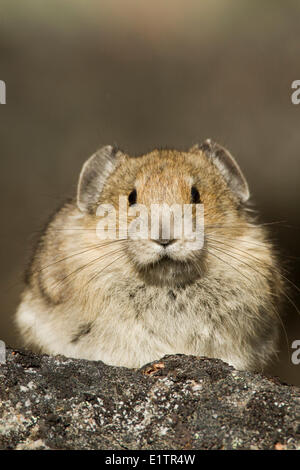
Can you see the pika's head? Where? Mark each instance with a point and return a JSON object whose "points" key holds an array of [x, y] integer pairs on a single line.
{"points": [[165, 207]]}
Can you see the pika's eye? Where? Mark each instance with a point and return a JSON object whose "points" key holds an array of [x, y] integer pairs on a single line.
{"points": [[132, 197], [195, 196]]}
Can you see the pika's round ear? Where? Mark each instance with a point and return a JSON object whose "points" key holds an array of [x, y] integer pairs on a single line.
{"points": [[227, 166], [93, 175]]}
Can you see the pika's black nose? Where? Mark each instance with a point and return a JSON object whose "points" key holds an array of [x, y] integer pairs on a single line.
{"points": [[164, 242]]}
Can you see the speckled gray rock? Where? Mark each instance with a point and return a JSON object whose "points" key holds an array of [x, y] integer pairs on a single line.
{"points": [[179, 402]]}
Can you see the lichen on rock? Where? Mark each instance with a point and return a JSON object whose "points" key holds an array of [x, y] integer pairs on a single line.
{"points": [[179, 402]]}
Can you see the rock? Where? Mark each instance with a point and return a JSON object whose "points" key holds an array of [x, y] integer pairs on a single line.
{"points": [[179, 402]]}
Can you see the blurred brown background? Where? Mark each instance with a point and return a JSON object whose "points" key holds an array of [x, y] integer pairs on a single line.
{"points": [[83, 74]]}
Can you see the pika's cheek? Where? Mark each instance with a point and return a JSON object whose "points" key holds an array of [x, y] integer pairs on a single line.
{"points": [[143, 251], [179, 251], [184, 250]]}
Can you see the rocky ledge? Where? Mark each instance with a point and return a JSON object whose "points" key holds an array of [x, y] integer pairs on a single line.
{"points": [[179, 402]]}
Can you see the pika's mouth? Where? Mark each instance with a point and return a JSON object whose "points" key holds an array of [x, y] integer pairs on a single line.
{"points": [[165, 257], [169, 271]]}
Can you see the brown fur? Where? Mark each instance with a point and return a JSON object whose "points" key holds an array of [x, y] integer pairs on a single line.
{"points": [[122, 303]]}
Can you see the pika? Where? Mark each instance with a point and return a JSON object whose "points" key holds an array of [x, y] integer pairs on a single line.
{"points": [[129, 301]]}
